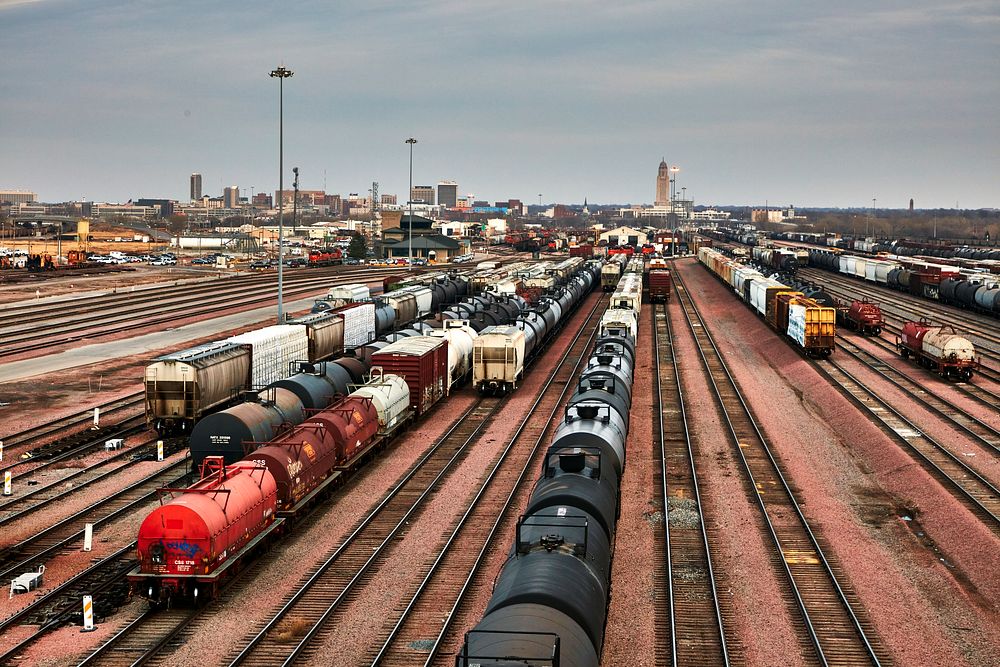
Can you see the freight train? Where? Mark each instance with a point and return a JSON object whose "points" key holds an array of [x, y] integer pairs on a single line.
{"points": [[954, 285], [183, 386], [861, 315], [549, 602], [938, 348], [202, 535], [811, 326]]}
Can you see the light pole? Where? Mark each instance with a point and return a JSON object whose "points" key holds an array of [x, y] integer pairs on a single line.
{"points": [[673, 210], [281, 73], [295, 200], [409, 234]]}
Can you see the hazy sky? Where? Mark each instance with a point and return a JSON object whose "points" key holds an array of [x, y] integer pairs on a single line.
{"points": [[803, 102]]}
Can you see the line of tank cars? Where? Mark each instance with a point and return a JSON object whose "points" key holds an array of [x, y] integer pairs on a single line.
{"points": [[811, 326], [263, 463], [550, 600]]}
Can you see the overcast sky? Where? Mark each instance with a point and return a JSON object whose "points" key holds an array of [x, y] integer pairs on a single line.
{"points": [[803, 102]]}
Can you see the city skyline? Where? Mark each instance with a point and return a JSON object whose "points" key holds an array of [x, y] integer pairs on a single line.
{"points": [[816, 106]]}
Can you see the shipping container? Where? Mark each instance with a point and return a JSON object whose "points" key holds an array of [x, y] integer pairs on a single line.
{"points": [[423, 362]]}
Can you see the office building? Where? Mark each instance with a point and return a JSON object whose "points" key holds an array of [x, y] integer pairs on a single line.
{"points": [[231, 197], [17, 197], [447, 195], [195, 187], [422, 194]]}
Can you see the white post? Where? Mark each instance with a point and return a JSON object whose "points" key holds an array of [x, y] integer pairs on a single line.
{"points": [[6, 483], [1, 450], [97, 417], [88, 614], [88, 537], [159, 450]]}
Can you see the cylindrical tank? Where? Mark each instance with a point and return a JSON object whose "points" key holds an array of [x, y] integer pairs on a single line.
{"points": [[608, 434], [966, 293], [357, 368], [390, 396], [233, 431], [948, 289], [353, 423], [314, 391], [583, 478], [502, 632], [385, 317], [558, 578]]}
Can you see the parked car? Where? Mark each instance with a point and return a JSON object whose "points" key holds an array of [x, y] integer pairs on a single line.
{"points": [[351, 261], [164, 261], [261, 264]]}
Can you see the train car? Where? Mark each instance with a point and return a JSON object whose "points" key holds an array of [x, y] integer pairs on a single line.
{"points": [[610, 275], [182, 386], [274, 351], [342, 295], [324, 334], [628, 293], [862, 316], [938, 348], [498, 359], [461, 341], [660, 285], [619, 322], [549, 603], [808, 323], [194, 540], [421, 361], [324, 256]]}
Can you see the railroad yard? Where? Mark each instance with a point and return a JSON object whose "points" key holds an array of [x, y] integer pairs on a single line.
{"points": [[494, 460]]}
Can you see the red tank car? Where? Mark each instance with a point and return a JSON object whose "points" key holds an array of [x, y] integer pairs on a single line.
{"points": [[862, 316], [354, 424], [188, 544]]}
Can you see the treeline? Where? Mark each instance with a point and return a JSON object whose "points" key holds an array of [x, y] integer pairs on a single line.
{"points": [[963, 227]]}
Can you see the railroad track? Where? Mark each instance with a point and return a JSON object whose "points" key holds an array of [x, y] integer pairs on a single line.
{"points": [[138, 314], [142, 638], [974, 391], [17, 507], [830, 617], [978, 430], [79, 419], [697, 632], [18, 558], [969, 487], [104, 580], [417, 629]]}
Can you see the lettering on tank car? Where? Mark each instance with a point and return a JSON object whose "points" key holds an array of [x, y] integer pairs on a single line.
{"points": [[310, 452], [294, 469], [356, 416], [219, 439]]}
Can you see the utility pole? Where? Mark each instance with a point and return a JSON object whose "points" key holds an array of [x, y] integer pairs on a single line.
{"points": [[295, 201], [409, 235]]}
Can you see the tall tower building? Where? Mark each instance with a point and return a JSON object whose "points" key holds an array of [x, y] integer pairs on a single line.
{"points": [[195, 187], [447, 194], [662, 185], [231, 197]]}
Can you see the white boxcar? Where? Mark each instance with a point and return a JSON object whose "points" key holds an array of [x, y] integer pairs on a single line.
{"points": [[845, 265], [758, 293], [359, 324], [341, 295], [498, 359], [273, 350], [860, 267]]}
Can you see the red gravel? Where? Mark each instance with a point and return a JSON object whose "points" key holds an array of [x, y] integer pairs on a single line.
{"points": [[856, 484]]}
